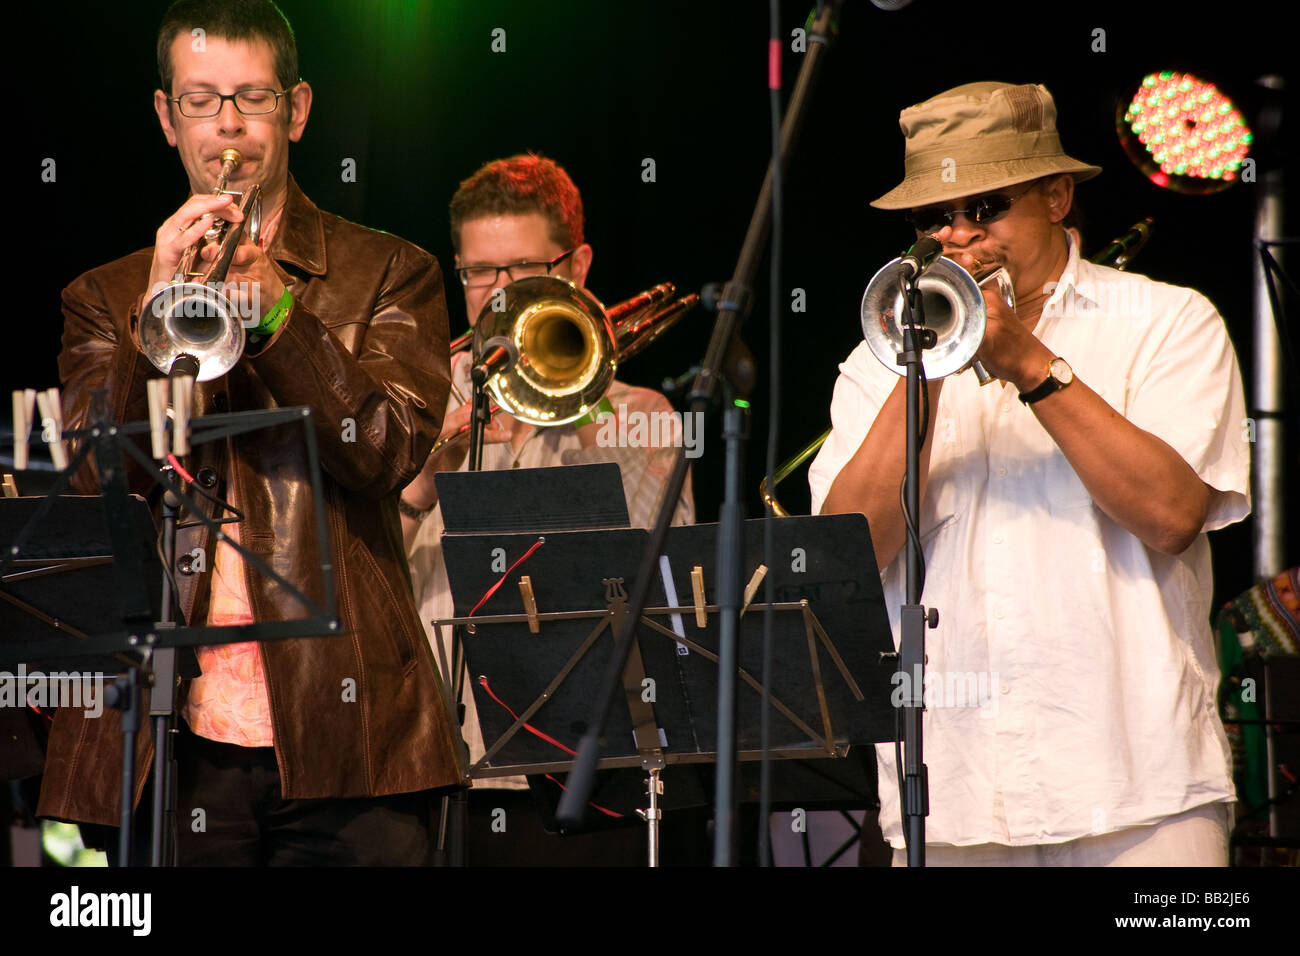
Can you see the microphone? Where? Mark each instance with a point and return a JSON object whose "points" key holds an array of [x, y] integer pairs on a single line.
{"points": [[499, 354], [1121, 250], [890, 4], [921, 256]]}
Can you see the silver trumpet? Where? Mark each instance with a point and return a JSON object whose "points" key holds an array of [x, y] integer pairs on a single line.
{"points": [[191, 316], [954, 310]]}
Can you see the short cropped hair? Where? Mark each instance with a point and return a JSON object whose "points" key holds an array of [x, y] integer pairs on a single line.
{"points": [[233, 20], [517, 186]]}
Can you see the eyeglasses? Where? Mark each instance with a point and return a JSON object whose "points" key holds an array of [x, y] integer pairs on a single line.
{"points": [[983, 210], [478, 277], [249, 102]]}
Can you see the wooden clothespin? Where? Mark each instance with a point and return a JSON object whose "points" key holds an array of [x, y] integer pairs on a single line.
{"points": [[697, 589], [182, 402], [752, 587], [24, 406], [11, 489], [52, 425], [156, 391], [530, 604]]}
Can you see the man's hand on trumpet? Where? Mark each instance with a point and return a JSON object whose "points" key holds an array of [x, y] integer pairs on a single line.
{"points": [[1010, 351], [254, 283], [184, 228]]}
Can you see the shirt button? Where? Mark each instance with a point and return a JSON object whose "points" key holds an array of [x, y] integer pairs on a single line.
{"points": [[997, 539], [1006, 688], [1002, 472], [998, 613]]}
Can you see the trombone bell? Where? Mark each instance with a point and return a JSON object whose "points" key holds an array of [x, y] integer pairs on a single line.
{"points": [[566, 347]]}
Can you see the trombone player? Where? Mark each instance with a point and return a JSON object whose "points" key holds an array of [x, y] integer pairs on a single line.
{"points": [[512, 219], [352, 323], [1064, 512]]}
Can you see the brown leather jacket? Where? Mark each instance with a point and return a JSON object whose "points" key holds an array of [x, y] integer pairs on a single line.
{"points": [[366, 341]]}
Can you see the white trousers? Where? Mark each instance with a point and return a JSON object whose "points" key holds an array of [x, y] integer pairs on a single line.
{"points": [[1196, 837]]}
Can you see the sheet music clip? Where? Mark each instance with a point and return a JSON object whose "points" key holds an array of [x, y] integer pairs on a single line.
{"points": [[182, 402], [157, 390], [751, 588], [52, 425], [530, 604], [697, 588], [24, 406]]}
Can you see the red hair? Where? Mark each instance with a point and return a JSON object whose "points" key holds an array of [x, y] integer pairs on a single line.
{"points": [[517, 186]]}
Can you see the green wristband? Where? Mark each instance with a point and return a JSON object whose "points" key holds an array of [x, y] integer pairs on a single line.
{"points": [[275, 318], [593, 416]]}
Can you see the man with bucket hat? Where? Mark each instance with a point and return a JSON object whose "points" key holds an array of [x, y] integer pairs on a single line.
{"points": [[1071, 682]]}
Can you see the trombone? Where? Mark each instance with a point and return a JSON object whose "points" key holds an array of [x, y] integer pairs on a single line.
{"points": [[191, 316], [565, 345], [959, 325]]}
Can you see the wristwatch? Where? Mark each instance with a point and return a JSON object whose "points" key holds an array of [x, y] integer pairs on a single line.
{"points": [[1059, 375], [413, 512]]}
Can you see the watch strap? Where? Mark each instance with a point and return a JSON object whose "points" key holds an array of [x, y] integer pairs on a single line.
{"points": [[1041, 391]]}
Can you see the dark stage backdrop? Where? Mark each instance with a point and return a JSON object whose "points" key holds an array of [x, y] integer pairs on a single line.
{"points": [[414, 93]]}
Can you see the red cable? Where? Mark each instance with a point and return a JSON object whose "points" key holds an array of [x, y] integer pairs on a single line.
{"points": [[608, 813], [179, 470], [483, 682], [493, 589]]}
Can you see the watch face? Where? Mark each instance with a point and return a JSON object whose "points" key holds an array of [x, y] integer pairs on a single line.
{"points": [[1061, 371]]}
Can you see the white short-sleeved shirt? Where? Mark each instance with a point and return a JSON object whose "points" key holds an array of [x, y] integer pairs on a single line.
{"points": [[1072, 678]]}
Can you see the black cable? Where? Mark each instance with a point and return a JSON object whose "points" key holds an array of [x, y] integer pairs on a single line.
{"points": [[774, 405], [911, 524]]}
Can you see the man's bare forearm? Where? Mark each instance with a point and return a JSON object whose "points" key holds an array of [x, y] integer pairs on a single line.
{"points": [[869, 483]]}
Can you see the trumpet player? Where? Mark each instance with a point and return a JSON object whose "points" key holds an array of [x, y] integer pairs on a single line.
{"points": [[512, 219], [1064, 512], [287, 769]]}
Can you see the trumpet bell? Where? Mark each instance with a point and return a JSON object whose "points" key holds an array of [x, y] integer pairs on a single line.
{"points": [[190, 318], [954, 311], [566, 348]]}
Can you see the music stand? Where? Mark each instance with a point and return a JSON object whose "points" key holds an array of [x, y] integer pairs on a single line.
{"points": [[32, 610], [538, 685]]}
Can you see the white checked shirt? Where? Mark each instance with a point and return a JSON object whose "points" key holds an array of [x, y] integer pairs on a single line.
{"points": [[1092, 655], [645, 474]]}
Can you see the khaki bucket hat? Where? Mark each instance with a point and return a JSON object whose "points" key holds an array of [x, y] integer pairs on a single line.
{"points": [[977, 138]]}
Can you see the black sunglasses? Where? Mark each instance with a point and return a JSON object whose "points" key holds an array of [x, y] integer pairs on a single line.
{"points": [[983, 210]]}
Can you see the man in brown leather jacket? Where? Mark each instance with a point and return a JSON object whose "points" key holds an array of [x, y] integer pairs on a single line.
{"points": [[311, 750]]}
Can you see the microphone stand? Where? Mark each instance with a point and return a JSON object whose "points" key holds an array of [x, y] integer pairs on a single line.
{"points": [[914, 618], [162, 701], [734, 304], [455, 807]]}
